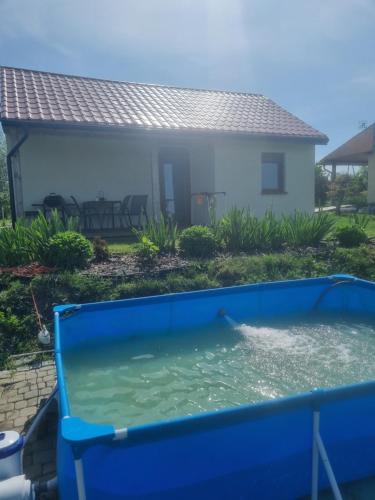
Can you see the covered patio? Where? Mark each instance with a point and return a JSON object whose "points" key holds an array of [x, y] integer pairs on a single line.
{"points": [[357, 151], [113, 181]]}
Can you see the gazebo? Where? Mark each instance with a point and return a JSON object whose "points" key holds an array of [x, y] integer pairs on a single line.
{"points": [[359, 150]]}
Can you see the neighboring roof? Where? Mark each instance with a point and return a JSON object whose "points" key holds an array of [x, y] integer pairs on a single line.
{"points": [[355, 151], [50, 98]]}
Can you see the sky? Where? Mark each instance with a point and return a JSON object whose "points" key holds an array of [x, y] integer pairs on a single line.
{"points": [[316, 58]]}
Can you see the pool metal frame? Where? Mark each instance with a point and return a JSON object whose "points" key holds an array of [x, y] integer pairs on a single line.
{"points": [[81, 434]]}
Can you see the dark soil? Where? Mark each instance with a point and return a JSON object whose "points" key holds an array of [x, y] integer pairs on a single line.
{"points": [[128, 265], [27, 270]]}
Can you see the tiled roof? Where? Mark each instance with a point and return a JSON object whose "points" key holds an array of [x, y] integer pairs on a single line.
{"points": [[355, 151], [34, 96]]}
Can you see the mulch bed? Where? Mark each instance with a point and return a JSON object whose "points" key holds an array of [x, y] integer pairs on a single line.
{"points": [[128, 265], [118, 266], [27, 270]]}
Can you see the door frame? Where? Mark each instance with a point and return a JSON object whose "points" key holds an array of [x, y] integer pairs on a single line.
{"points": [[162, 158]]}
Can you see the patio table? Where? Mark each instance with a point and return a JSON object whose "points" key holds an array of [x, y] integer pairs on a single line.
{"points": [[64, 210], [99, 210]]}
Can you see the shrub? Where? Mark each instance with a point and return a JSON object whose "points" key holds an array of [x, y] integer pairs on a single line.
{"points": [[361, 220], [232, 228], [140, 288], [17, 335], [16, 298], [198, 241], [170, 284], [359, 261], [257, 268], [305, 229], [147, 250], [42, 229], [163, 233], [350, 235], [28, 242], [240, 231], [268, 233], [16, 246], [68, 250], [68, 288], [101, 250]]}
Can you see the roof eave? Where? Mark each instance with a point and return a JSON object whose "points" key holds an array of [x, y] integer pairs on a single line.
{"points": [[318, 139], [346, 160]]}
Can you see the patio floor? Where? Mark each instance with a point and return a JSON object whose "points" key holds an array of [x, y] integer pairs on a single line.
{"points": [[22, 392]]}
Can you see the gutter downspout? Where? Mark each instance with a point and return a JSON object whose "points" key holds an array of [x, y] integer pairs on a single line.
{"points": [[11, 153]]}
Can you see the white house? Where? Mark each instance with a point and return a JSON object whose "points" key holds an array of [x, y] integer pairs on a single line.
{"points": [[86, 137]]}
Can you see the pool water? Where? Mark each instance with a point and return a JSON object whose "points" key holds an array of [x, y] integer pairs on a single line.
{"points": [[157, 377]]}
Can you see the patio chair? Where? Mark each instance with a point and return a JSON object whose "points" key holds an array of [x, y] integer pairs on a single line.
{"points": [[74, 210], [134, 206]]}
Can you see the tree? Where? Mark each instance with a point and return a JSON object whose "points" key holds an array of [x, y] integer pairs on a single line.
{"points": [[321, 186], [349, 189]]}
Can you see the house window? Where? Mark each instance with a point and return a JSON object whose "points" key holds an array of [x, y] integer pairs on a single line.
{"points": [[273, 178]]}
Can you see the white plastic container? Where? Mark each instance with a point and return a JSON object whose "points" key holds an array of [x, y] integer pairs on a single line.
{"points": [[16, 488], [11, 444]]}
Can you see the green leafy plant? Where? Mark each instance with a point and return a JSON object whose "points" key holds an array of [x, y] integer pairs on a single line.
{"points": [[28, 242], [198, 241], [351, 235], [68, 250], [17, 334], [163, 233], [101, 250], [358, 261], [361, 220], [304, 229], [233, 229], [16, 245], [268, 233], [241, 231], [42, 229], [147, 250]]}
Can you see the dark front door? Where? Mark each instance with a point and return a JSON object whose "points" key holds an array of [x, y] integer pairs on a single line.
{"points": [[174, 172]]}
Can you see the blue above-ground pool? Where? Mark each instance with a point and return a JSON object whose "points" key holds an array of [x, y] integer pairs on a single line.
{"points": [[263, 450]]}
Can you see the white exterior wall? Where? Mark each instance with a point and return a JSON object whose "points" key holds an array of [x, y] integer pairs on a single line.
{"points": [[83, 164], [238, 173], [371, 179]]}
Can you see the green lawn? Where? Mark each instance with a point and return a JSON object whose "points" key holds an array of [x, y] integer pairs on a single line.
{"points": [[370, 229], [125, 246]]}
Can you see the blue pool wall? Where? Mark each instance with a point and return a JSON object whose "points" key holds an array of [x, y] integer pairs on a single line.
{"points": [[255, 451], [167, 313]]}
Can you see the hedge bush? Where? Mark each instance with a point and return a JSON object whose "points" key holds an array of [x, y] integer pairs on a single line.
{"points": [[25, 243], [68, 250], [351, 235], [198, 242]]}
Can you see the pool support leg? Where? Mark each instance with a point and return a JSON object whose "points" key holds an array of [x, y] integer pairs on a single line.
{"points": [[318, 448], [315, 458], [80, 478]]}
